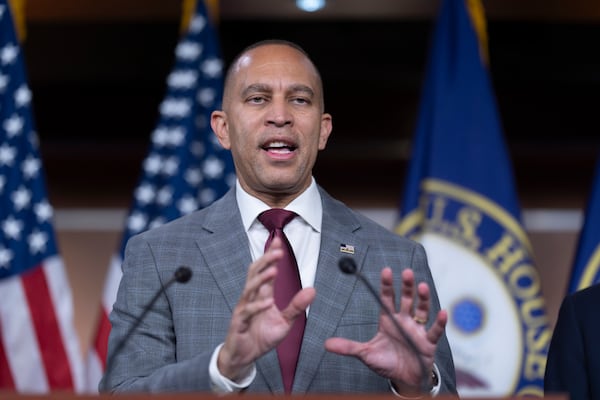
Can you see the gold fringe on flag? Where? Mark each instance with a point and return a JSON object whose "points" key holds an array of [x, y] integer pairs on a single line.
{"points": [[17, 8], [477, 14], [189, 6]]}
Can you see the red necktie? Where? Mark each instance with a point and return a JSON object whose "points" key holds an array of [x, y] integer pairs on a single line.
{"points": [[287, 284]]}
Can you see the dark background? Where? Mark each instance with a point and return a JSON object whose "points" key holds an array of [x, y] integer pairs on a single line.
{"points": [[97, 81]]}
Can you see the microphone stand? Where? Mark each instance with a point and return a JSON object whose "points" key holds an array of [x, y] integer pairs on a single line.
{"points": [[181, 275]]}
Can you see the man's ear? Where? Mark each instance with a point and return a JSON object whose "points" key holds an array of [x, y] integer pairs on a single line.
{"points": [[218, 123], [326, 128]]}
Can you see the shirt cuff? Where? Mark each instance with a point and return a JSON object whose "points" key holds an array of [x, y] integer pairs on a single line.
{"points": [[434, 391], [222, 385]]}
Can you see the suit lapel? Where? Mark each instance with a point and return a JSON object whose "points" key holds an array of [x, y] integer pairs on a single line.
{"points": [[338, 229], [224, 246]]}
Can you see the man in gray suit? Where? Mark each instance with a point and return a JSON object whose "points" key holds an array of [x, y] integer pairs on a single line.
{"points": [[219, 332]]}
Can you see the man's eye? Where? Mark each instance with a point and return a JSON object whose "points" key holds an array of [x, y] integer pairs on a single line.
{"points": [[301, 100], [256, 100]]}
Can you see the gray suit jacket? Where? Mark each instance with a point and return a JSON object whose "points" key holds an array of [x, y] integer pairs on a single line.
{"points": [[171, 349]]}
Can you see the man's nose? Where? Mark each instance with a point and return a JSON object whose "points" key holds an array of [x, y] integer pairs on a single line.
{"points": [[279, 114]]}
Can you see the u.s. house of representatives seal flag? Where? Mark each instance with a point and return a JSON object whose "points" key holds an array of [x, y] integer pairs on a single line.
{"points": [[586, 268], [186, 168], [460, 202]]}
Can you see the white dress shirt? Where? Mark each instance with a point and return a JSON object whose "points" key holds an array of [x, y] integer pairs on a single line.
{"points": [[303, 232]]}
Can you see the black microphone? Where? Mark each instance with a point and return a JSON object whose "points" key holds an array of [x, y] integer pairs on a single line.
{"points": [[181, 275], [348, 266]]}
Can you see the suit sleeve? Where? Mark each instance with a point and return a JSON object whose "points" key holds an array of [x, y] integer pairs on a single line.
{"points": [[148, 361], [566, 365]]}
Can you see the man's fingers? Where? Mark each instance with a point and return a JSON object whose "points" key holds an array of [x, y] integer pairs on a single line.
{"points": [[260, 285], [261, 273], [343, 346], [437, 329], [299, 304], [422, 309], [408, 291], [388, 294]]}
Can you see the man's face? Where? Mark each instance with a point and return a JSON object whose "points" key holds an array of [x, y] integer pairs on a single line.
{"points": [[273, 122]]}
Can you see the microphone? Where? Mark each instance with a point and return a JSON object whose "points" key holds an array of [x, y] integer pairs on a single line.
{"points": [[182, 275], [348, 266]]}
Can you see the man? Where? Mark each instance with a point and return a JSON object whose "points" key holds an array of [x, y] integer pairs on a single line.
{"points": [[573, 358], [221, 331]]}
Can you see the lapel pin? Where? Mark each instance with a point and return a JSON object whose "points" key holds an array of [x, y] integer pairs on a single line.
{"points": [[346, 248]]}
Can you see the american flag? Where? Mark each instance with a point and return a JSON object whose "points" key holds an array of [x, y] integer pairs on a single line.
{"points": [[186, 168], [39, 349]]}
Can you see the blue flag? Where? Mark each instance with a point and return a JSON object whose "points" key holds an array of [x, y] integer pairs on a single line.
{"points": [[460, 202], [186, 168], [586, 268]]}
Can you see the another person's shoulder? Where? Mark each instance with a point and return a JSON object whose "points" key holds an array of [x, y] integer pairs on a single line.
{"points": [[589, 295]]}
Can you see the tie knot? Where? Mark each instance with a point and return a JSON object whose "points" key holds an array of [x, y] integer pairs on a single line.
{"points": [[276, 218]]}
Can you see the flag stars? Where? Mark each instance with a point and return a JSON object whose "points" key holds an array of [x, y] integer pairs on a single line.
{"points": [[153, 164], [156, 222], [6, 256], [2, 183], [7, 155], [197, 24], [23, 96], [176, 136], [160, 136], [188, 51], [212, 67], [145, 193], [187, 205], [175, 108], [207, 196], [193, 177], [13, 125], [213, 168], [164, 196], [37, 241], [182, 79], [137, 222], [9, 53], [170, 166], [31, 167], [206, 97], [164, 136], [12, 228], [43, 211], [21, 198]]}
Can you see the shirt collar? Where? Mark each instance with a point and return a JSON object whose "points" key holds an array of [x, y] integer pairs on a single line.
{"points": [[307, 205]]}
